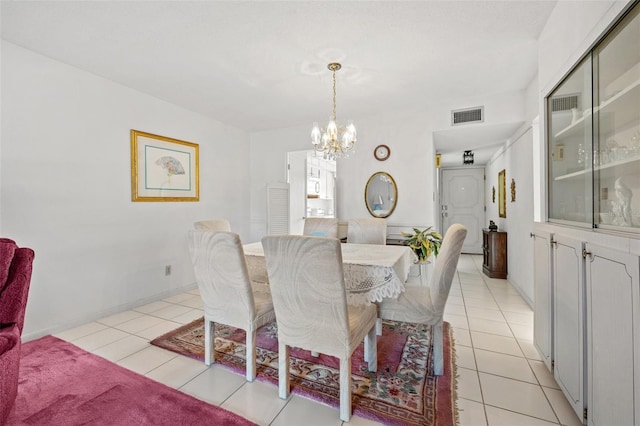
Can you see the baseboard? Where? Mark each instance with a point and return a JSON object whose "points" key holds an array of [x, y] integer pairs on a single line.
{"points": [[105, 313]]}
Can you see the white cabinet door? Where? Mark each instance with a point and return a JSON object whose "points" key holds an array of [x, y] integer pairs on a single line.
{"points": [[613, 337], [542, 291], [568, 308]]}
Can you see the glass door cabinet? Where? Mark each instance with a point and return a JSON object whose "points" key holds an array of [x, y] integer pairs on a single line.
{"points": [[593, 135]]}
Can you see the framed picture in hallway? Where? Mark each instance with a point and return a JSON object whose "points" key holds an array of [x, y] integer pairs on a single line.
{"points": [[502, 199], [163, 168]]}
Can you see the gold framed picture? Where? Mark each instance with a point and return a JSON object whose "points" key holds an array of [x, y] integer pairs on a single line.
{"points": [[163, 168], [502, 199]]}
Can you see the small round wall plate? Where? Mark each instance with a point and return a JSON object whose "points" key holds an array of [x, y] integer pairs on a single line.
{"points": [[381, 152]]}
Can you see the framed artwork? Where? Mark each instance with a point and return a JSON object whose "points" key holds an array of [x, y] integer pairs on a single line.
{"points": [[163, 168], [502, 199]]}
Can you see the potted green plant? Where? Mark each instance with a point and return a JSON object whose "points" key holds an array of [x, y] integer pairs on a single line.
{"points": [[424, 243]]}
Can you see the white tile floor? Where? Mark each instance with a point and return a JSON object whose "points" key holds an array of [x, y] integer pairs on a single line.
{"points": [[501, 379]]}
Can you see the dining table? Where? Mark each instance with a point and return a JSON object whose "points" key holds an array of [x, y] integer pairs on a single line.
{"points": [[372, 272]]}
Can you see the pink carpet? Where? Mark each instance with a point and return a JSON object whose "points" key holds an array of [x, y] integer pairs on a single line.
{"points": [[402, 392], [61, 384]]}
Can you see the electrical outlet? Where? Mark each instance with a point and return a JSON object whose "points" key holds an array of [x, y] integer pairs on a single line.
{"points": [[167, 270]]}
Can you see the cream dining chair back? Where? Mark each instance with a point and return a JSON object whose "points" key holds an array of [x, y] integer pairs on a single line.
{"points": [[367, 230], [309, 297], [213, 225], [321, 227], [226, 291], [425, 305]]}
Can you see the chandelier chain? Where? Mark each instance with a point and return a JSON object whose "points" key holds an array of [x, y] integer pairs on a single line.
{"points": [[334, 95]]}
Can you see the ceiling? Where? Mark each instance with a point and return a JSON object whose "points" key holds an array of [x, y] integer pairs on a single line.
{"points": [[261, 65]]}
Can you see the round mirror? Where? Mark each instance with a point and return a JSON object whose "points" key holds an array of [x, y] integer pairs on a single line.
{"points": [[381, 194]]}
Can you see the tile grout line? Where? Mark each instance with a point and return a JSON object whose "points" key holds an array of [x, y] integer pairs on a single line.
{"points": [[525, 358], [466, 314]]}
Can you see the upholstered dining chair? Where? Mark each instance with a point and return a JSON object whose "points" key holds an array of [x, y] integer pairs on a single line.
{"points": [[227, 292], [321, 227], [425, 305], [309, 297], [213, 225], [367, 230]]}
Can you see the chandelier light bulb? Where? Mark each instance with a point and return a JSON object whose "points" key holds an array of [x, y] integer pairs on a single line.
{"points": [[332, 130], [315, 134]]}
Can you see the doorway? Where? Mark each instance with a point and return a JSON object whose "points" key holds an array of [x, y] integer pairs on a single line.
{"points": [[462, 201], [312, 181]]}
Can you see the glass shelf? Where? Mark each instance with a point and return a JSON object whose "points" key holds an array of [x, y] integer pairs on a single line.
{"points": [[629, 162]]}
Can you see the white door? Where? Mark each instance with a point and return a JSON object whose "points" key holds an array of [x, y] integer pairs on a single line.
{"points": [[568, 345], [297, 168], [613, 305], [462, 201], [278, 208], [543, 290]]}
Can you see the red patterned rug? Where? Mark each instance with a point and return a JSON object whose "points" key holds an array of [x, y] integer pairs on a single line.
{"points": [[400, 393]]}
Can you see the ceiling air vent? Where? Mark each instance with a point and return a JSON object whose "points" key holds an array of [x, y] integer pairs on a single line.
{"points": [[467, 115], [564, 103]]}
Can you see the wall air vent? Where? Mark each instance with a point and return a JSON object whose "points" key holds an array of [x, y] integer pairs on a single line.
{"points": [[564, 103], [467, 115]]}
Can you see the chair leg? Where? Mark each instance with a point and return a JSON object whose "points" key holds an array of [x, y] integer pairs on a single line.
{"points": [[209, 340], [371, 349], [379, 326], [283, 370], [438, 361], [345, 389], [251, 355]]}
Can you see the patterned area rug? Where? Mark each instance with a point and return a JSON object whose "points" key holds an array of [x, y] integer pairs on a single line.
{"points": [[400, 393]]}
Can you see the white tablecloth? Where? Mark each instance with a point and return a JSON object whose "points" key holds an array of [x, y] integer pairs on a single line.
{"points": [[371, 272]]}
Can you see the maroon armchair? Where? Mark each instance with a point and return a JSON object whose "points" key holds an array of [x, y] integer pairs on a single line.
{"points": [[15, 277]]}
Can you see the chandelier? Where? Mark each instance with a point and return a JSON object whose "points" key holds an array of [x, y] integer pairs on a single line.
{"points": [[334, 142]]}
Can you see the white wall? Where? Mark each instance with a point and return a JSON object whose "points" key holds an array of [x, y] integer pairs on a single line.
{"points": [[411, 164], [411, 150], [268, 163], [409, 135], [571, 30], [66, 190], [515, 159]]}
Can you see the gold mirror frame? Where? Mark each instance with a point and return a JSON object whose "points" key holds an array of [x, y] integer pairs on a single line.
{"points": [[381, 194], [502, 199]]}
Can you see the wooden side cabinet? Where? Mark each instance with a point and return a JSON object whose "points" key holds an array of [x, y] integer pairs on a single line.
{"points": [[494, 250]]}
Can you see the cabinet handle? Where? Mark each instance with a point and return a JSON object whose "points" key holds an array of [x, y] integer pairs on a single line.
{"points": [[553, 243], [585, 253], [532, 235]]}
